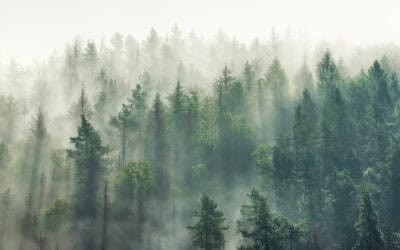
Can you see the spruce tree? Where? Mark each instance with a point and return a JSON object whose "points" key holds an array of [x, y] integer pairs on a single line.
{"points": [[207, 232], [157, 148], [89, 162], [249, 77], [125, 123], [256, 224], [369, 236]]}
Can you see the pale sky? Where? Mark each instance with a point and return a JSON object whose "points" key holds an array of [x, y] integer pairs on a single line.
{"points": [[35, 28]]}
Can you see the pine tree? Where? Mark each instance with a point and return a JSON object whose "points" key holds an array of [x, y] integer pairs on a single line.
{"points": [[158, 148], [249, 77], [178, 102], [379, 80], [125, 123], [282, 163], [394, 88], [132, 188], [3, 156], [208, 231], [90, 58], [137, 102], [328, 75], [379, 113], [304, 80], [5, 200], [277, 82], [306, 169], [81, 106], [89, 161], [369, 236], [226, 78], [391, 217], [256, 224], [104, 238]]}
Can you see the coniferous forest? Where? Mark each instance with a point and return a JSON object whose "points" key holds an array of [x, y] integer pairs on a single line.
{"points": [[179, 142]]}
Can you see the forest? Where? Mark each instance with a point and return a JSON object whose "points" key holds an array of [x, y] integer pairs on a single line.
{"points": [[181, 142]]}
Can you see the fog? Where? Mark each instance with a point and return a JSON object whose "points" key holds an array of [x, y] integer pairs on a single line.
{"points": [[35, 29], [199, 125]]}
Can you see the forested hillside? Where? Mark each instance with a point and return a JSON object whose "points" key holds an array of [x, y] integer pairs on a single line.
{"points": [[178, 142]]}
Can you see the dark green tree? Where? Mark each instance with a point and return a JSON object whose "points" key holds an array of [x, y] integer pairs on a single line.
{"points": [[249, 77], [369, 236], [207, 232], [125, 123], [157, 148], [90, 166], [256, 224], [277, 82]]}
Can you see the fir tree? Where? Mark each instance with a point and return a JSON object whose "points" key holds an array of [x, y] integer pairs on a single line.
{"points": [[89, 161], [208, 231], [369, 236], [256, 224]]}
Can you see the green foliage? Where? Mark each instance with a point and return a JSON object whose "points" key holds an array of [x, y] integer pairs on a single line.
{"points": [[369, 235], [207, 232], [89, 160], [307, 143], [132, 179], [263, 161], [56, 215], [327, 73], [260, 229]]}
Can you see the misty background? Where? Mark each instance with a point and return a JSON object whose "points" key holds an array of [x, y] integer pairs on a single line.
{"points": [[128, 124], [35, 29]]}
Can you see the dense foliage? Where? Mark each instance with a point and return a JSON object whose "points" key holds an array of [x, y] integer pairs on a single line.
{"points": [[133, 146]]}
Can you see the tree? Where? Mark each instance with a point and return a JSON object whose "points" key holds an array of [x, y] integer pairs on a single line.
{"points": [[226, 78], [89, 161], [81, 106], [125, 123], [222, 87], [3, 156], [328, 74], [137, 102], [5, 200], [158, 148], [282, 171], [90, 58], [380, 83], [369, 236], [277, 82], [304, 80], [306, 168], [380, 110], [104, 238], [391, 216], [249, 76], [236, 101], [263, 161], [178, 102], [394, 88], [132, 185], [131, 182], [256, 224], [56, 216], [336, 136], [208, 231]]}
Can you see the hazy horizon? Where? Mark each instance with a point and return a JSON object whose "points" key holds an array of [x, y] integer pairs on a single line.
{"points": [[34, 30]]}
